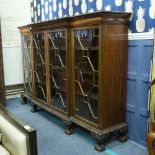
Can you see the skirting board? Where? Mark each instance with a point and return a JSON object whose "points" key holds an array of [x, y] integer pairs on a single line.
{"points": [[13, 91]]}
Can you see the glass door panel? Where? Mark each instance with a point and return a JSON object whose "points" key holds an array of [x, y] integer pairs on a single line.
{"points": [[39, 66], [27, 68], [86, 49], [57, 64]]}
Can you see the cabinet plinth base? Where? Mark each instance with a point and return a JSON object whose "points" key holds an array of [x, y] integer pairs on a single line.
{"points": [[24, 99], [34, 108], [69, 127], [69, 131], [100, 141], [99, 148], [122, 135], [118, 131], [122, 139]]}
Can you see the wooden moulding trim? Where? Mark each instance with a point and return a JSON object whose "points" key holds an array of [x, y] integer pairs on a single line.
{"points": [[23, 27], [86, 121], [48, 104], [36, 28], [90, 18], [98, 131], [25, 30], [116, 21], [49, 109], [77, 121], [61, 21], [27, 93], [86, 22]]}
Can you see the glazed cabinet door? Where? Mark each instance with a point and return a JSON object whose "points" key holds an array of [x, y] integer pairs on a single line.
{"points": [[58, 69], [27, 63], [86, 51], [39, 66]]}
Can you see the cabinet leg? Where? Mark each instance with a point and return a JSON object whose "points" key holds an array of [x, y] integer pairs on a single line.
{"points": [[69, 127], [24, 99], [34, 108], [100, 142], [122, 135]]}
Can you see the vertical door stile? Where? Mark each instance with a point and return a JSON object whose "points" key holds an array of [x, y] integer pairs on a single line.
{"points": [[32, 64], [72, 71], [67, 31], [69, 43], [23, 61], [47, 68], [100, 62]]}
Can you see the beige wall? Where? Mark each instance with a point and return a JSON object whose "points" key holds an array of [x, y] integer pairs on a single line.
{"points": [[13, 13]]}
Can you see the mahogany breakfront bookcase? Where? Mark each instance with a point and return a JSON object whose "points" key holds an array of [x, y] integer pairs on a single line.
{"points": [[76, 68]]}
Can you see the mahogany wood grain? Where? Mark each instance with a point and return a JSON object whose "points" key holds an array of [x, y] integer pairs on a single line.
{"points": [[114, 75]]}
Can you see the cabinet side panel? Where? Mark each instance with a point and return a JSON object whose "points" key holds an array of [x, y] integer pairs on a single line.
{"points": [[114, 73]]}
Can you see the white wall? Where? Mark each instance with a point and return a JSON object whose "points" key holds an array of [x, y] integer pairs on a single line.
{"points": [[13, 13]]}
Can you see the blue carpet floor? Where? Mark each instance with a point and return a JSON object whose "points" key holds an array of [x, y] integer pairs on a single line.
{"points": [[52, 140]]}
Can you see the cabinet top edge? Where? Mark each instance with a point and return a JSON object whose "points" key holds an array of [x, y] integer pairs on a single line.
{"points": [[111, 16]]}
